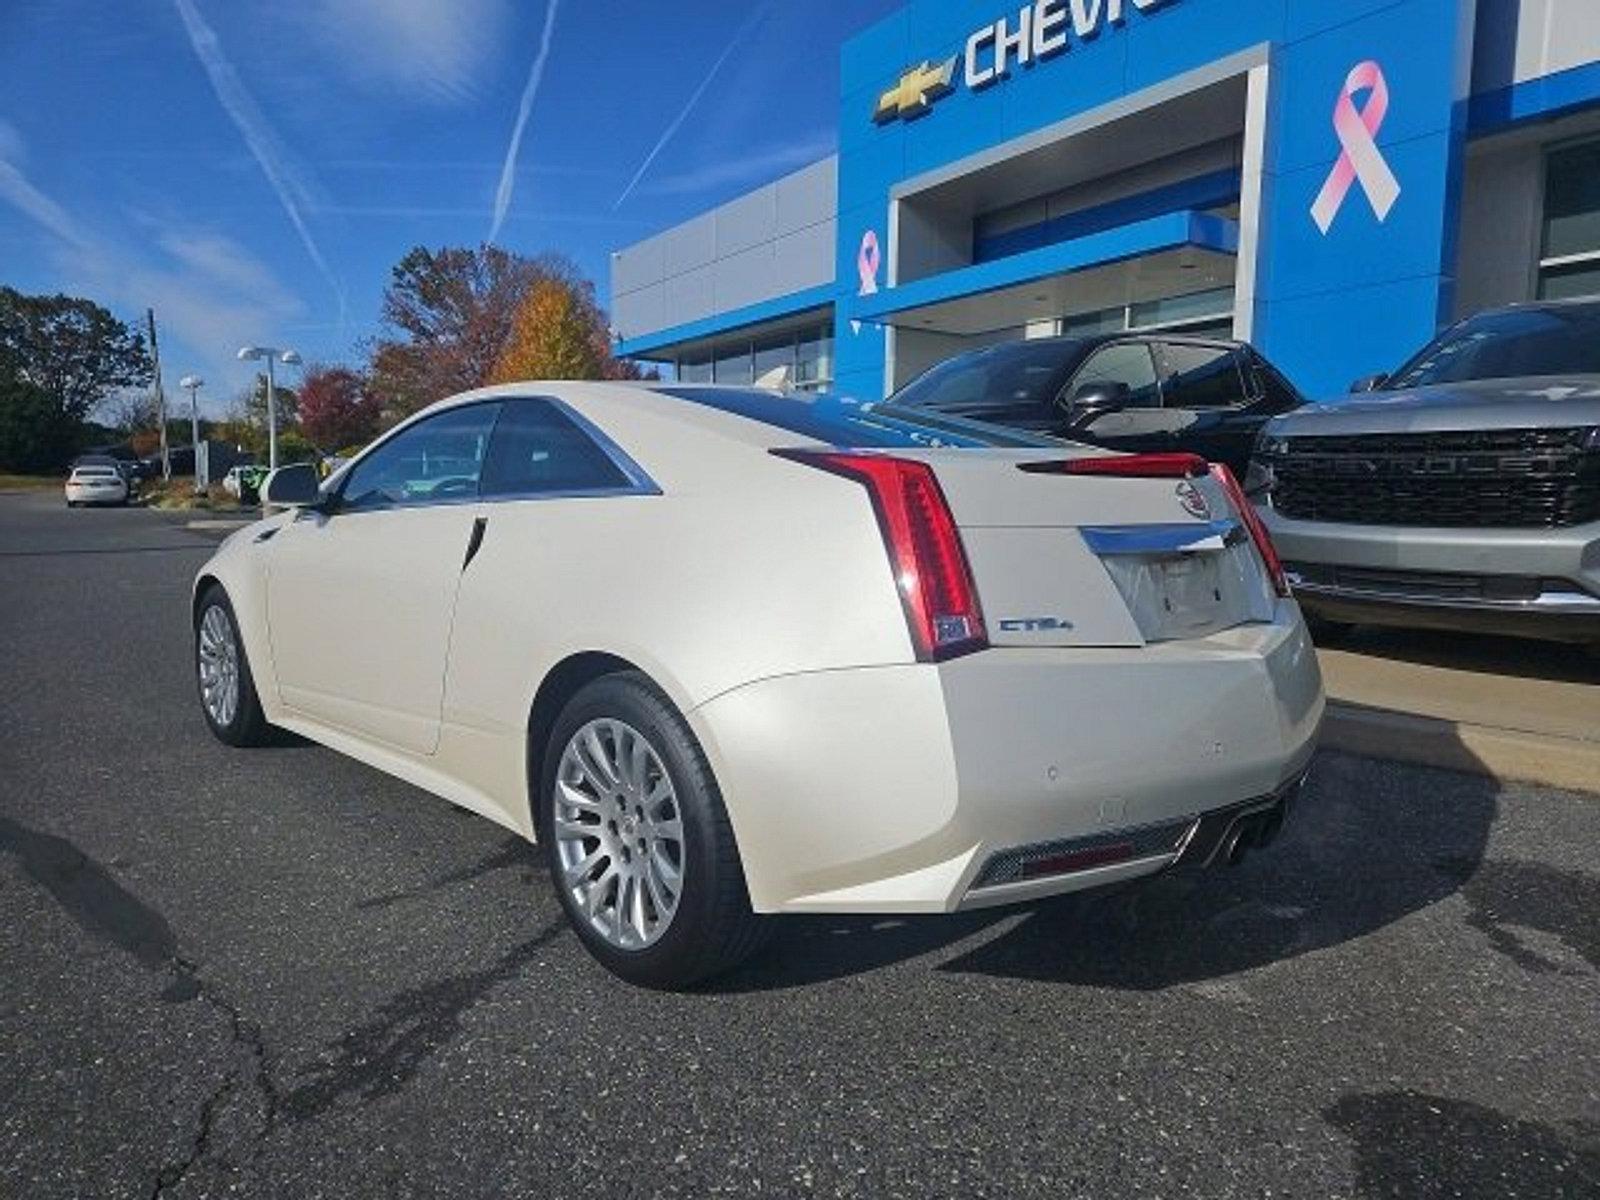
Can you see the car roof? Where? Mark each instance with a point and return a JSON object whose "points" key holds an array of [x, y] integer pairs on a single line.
{"points": [[1580, 303]]}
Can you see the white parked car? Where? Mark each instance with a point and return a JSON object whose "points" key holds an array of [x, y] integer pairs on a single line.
{"points": [[232, 481], [725, 653], [94, 483]]}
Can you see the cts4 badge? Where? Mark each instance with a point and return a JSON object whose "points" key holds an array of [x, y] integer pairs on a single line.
{"points": [[1193, 502], [1035, 625]]}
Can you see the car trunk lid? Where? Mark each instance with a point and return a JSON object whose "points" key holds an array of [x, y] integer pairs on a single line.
{"points": [[1115, 551]]}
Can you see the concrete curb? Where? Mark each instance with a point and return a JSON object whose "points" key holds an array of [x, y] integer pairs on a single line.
{"points": [[1504, 754]]}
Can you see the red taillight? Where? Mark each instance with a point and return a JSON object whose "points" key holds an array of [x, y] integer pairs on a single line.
{"points": [[1124, 466], [1252, 522], [925, 551]]}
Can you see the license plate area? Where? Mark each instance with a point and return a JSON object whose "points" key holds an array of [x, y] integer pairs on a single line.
{"points": [[1184, 582]]}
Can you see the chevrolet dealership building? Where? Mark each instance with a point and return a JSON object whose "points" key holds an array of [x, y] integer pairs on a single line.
{"points": [[1330, 179]]}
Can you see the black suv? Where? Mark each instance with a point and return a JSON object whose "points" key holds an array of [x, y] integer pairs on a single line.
{"points": [[1128, 391]]}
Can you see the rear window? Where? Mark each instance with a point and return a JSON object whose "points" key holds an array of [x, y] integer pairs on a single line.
{"points": [[847, 423]]}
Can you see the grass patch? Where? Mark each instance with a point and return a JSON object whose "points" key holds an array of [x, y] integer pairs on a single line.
{"points": [[179, 494], [30, 483]]}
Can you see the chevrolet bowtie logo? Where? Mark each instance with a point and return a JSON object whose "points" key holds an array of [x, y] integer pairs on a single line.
{"points": [[917, 90]]}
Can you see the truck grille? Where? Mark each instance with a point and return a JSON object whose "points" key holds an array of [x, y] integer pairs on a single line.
{"points": [[1492, 478]]}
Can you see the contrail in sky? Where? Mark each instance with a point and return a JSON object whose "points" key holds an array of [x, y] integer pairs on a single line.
{"points": [[264, 144], [508, 172], [683, 113], [16, 188]]}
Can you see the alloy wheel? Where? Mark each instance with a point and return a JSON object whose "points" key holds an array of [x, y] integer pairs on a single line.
{"points": [[619, 833], [218, 651]]}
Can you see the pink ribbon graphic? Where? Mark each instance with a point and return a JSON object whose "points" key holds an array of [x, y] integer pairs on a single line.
{"points": [[867, 262], [1359, 157]]}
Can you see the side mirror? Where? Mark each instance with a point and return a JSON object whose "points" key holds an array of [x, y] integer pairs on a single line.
{"points": [[1095, 400], [296, 486], [1369, 383]]}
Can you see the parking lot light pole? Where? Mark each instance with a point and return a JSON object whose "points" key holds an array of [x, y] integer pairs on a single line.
{"points": [[193, 384], [288, 358]]}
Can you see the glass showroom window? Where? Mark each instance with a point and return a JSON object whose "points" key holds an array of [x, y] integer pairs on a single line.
{"points": [[733, 362], [694, 368], [813, 367], [1205, 314], [801, 359], [1569, 262], [774, 360]]}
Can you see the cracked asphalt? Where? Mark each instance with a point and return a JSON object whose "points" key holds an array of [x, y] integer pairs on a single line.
{"points": [[279, 974]]}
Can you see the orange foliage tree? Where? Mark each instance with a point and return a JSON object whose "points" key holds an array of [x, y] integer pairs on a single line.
{"points": [[558, 332]]}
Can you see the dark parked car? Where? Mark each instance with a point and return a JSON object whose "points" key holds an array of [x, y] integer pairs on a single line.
{"points": [[1463, 491], [1143, 392]]}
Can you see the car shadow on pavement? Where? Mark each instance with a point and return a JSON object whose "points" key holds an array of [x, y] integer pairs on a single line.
{"points": [[1366, 846], [1524, 658], [1416, 1146]]}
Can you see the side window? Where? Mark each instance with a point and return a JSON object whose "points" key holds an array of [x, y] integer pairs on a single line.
{"points": [[538, 449], [440, 458], [1273, 387], [1121, 365], [1202, 376]]}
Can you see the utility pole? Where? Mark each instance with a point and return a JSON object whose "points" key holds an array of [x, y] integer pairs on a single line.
{"points": [[161, 396]]}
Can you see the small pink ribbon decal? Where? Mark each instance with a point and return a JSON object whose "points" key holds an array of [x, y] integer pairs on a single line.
{"points": [[867, 262], [1359, 157]]}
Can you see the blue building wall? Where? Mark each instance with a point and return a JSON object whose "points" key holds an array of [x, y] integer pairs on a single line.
{"points": [[1329, 306]]}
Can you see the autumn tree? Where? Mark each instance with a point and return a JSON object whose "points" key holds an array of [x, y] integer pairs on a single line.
{"points": [[447, 315], [451, 316], [558, 333], [337, 409]]}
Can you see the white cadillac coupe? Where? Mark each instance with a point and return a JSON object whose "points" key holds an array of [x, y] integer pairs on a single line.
{"points": [[724, 652]]}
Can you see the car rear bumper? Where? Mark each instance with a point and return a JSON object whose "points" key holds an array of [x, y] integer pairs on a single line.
{"points": [[1540, 582], [898, 789], [78, 494]]}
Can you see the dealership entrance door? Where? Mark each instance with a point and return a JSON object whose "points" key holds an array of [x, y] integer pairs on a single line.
{"points": [[1138, 215]]}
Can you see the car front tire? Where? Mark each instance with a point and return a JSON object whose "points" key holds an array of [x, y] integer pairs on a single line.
{"points": [[222, 674], [638, 842]]}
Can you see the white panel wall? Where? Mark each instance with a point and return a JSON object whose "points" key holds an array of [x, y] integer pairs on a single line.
{"points": [[1519, 40], [771, 242], [1500, 209]]}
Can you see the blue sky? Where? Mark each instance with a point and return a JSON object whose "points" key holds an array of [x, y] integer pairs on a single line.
{"points": [[253, 169]]}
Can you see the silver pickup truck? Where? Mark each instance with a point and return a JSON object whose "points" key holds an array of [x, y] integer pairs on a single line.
{"points": [[1462, 492]]}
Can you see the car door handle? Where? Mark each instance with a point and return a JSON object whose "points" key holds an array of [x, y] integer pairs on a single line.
{"points": [[474, 541]]}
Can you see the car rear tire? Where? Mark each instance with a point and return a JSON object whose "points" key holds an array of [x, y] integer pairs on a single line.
{"points": [[222, 674], [638, 842]]}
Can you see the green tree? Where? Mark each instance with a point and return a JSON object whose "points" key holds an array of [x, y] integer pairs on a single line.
{"points": [[72, 349], [284, 399], [295, 447], [35, 435]]}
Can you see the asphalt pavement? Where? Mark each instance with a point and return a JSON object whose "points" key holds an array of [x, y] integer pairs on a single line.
{"points": [[277, 973]]}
